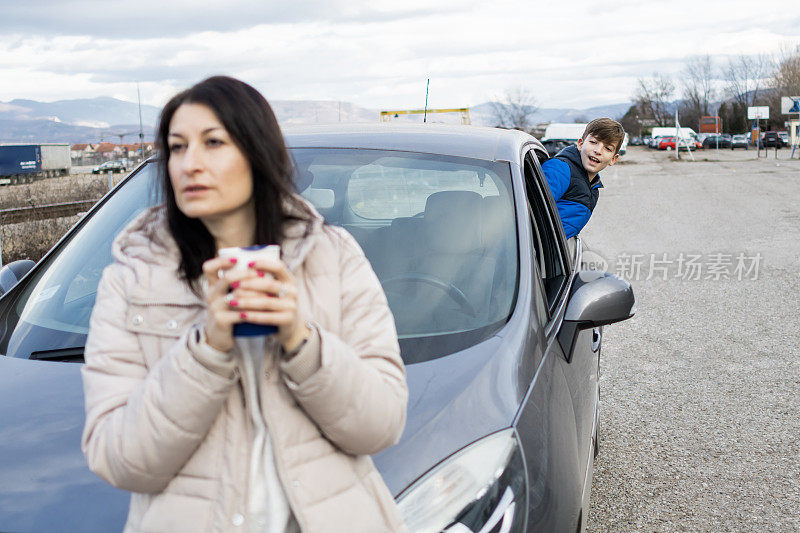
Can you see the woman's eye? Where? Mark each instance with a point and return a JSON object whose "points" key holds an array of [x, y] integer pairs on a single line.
{"points": [[214, 142], [175, 147]]}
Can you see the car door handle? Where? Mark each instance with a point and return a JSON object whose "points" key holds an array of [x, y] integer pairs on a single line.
{"points": [[597, 338]]}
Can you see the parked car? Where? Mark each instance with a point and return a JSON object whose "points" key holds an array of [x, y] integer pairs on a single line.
{"points": [[654, 141], [702, 137], [771, 139], [110, 166], [717, 141], [740, 141], [668, 143], [500, 329], [636, 141]]}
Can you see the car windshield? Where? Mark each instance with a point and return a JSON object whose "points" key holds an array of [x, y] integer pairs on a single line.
{"points": [[49, 316], [439, 232]]}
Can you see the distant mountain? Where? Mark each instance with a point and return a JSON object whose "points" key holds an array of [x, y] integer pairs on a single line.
{"points": [[41, 131], [483, 114], [105, 118], [72, 121], [98, 112]]}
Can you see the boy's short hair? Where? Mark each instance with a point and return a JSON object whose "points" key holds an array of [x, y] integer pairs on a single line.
{"points": [[606, 130]]}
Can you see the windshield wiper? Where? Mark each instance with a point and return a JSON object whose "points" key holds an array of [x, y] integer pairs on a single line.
{"points": [[63, 355]]}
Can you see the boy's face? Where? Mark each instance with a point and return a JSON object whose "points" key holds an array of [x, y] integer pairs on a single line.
{"points": [[596, 155]]}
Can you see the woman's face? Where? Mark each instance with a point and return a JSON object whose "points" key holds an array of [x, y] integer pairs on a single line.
{"points": [[210, 175]]}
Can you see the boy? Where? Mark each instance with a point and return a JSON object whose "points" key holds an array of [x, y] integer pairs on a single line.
{"points": [[573, 174]]}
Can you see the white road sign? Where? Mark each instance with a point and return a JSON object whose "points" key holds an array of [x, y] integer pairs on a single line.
{"points": [[758, 112]]}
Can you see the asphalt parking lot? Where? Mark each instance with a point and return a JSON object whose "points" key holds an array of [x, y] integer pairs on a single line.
{"points": [[700, 391]]}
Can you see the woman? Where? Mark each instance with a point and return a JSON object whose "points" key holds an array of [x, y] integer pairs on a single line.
{"points": [[176, 411]]}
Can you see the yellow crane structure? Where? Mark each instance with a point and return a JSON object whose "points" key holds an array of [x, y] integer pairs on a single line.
{"points": [[386, 116]]}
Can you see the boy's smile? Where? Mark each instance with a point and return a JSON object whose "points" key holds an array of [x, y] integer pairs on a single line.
{"points": [[596, 155]]}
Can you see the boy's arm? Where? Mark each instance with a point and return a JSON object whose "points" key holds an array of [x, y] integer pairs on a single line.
{"points": [[558, 177]]}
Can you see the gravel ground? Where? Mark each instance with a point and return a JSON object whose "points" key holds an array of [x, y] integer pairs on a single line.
{"points": [[700, 391]]}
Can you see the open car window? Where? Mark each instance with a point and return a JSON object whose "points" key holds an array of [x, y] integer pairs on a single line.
{"points": [[548, 233]]}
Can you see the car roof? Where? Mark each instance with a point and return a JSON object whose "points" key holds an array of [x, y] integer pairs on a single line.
{"points": [[490, 144]]}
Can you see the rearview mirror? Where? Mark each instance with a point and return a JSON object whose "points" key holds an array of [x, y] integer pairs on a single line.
{"points": [[596, 299], [12, 273], [321, 198]]}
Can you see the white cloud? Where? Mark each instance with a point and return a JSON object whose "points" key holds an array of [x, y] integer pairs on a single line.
{"points": [[580, 54]]}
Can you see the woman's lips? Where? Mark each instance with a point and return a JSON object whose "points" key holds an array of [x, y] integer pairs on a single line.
{"points": [[194, 190]]}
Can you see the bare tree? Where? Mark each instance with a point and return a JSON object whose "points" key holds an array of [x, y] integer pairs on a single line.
{"points": [[652, 95], [698, 84], [744, 77], [515, 110], [784, 81], [786, 75]]}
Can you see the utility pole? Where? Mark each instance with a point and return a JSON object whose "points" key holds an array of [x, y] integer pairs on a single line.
{"points": [[425, 115], [141, 131]]}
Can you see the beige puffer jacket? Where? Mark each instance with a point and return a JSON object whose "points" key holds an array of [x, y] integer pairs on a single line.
{"points": [[175, 432]]}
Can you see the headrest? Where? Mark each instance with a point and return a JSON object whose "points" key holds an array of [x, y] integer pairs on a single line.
{"points": [[496, 220], [453, 221]]}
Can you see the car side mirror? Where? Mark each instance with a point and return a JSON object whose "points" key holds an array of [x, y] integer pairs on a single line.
{"points": [[12, 273], [596, 299]]}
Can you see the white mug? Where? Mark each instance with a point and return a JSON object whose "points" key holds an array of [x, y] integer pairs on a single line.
{"points": [[245, 256]]}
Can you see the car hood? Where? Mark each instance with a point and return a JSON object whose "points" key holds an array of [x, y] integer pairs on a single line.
{"points": [[46, 484], [453, 401]]}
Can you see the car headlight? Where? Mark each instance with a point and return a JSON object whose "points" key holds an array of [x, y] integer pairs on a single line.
{"points": [[475, 490]]}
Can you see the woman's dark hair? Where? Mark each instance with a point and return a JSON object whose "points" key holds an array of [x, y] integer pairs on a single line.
{"points": [[252, 125]]}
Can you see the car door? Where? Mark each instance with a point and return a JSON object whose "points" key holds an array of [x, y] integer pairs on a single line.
{"points": [[571, 371], [581, 362], [547, 422]]}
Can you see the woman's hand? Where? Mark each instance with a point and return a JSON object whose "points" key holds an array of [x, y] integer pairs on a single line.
{"points": [[266, 294], [220, 316], [270, 297]]}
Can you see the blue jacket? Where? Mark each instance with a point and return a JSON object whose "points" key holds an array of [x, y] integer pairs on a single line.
{"points": [[575, 197]]}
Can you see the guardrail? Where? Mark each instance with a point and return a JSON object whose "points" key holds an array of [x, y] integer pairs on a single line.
{"points": [[44, 212]]}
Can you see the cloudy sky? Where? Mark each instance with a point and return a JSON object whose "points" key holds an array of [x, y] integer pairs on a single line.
{"points": [[375, 54]]}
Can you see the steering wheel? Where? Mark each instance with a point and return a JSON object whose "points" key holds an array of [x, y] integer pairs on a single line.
{"points": [[448, 288]]}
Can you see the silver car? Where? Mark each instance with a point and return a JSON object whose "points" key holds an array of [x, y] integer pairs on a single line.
{"points": [[499, 328]]}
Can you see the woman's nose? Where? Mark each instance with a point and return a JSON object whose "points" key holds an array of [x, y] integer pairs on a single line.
{"points": [[192, 158]]}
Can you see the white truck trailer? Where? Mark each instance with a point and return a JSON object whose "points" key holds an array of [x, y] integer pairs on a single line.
{"points": [[686, 133], [56, 159]]}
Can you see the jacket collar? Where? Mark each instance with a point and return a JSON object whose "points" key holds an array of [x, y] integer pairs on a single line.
{"points": [[573, 155]]}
